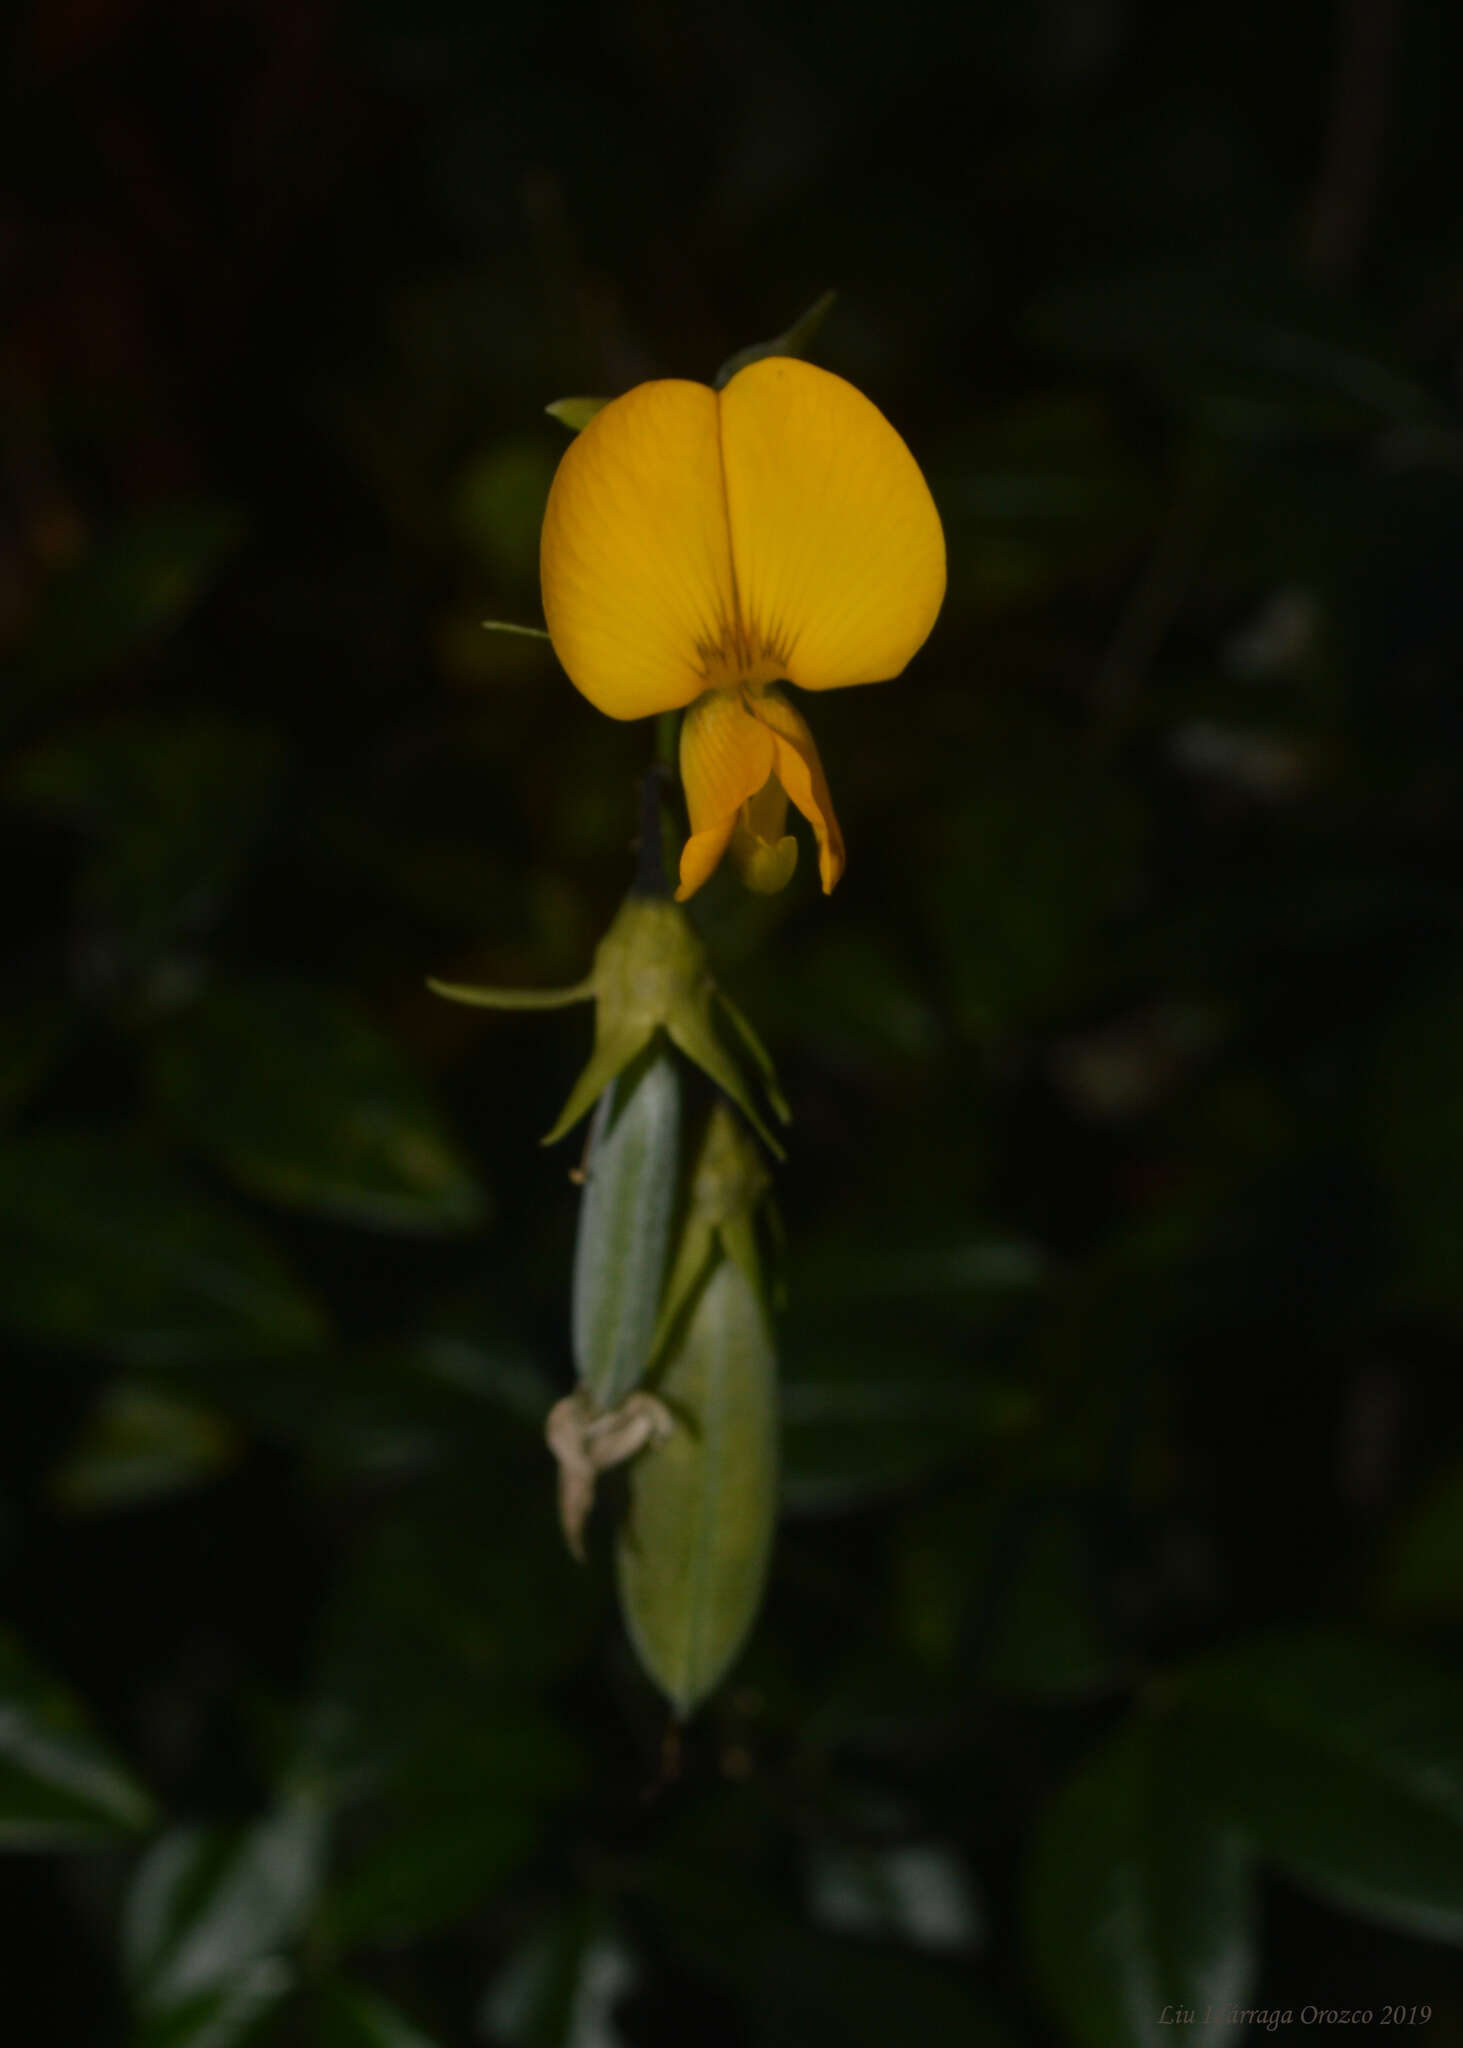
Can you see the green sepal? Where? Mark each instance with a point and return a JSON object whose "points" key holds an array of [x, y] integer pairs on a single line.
{"points": [[739, 1242], [613, 1051], [728, 1184], [695, 1256], [693, 1033], [575, 413], [650, 973], [797, 340], [513, 998], [761, 1058]]}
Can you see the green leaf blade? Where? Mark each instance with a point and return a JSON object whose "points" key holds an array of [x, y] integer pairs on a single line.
{"points": [[796, 340], [60, 1785], [107, 1249], [349, 2016], [306, 1103], [224, 2017], [210, 1908], [1342, 1757], [1139, 1896], [140, 1444]]}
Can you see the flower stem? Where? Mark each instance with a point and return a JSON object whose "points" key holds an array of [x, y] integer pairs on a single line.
{"points": [[667, 727], [659, 825], [650, 868]]}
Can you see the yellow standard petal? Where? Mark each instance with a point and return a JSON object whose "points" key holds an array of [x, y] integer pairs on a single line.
{"points": [[726, 757], [838, 551], [635, 562], [800, 772]]}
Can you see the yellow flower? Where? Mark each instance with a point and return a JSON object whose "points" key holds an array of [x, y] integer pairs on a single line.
{"points": [[700, 546]]}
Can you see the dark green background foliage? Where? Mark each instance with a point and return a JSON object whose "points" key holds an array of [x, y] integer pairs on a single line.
{"points": [[1114, 1651]]}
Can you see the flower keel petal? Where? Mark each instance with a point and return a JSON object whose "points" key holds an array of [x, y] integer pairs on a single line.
{"points": [[764, 850], [726, 757], [800, 771]]}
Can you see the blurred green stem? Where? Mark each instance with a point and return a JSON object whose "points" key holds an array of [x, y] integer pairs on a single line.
{"points": [[667, 727], [667, 762]]}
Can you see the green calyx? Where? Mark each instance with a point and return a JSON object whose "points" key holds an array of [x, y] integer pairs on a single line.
{"points": [[650, 974], [728, 1185], [575, 413]]}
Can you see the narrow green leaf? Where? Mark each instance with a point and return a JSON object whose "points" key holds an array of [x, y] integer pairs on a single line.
{"points": [[225, 2016], [349, 2016], [305, 1102], [60, 1786], [797, 340], [697, 1535], [1139, 1896], [105, 1248], [209, 1906], [575, 413], [1343, 1759], [140, 1444], [560, 1988], [508, 626], [631, 1183]]}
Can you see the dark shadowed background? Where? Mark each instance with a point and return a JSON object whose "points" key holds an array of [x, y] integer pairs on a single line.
{"points": [[1113, 1652]]}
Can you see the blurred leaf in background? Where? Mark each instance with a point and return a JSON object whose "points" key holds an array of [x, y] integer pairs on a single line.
{"points": [[108, 1248], [59, 1785], [337, 1125], [1111, 1654]]}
